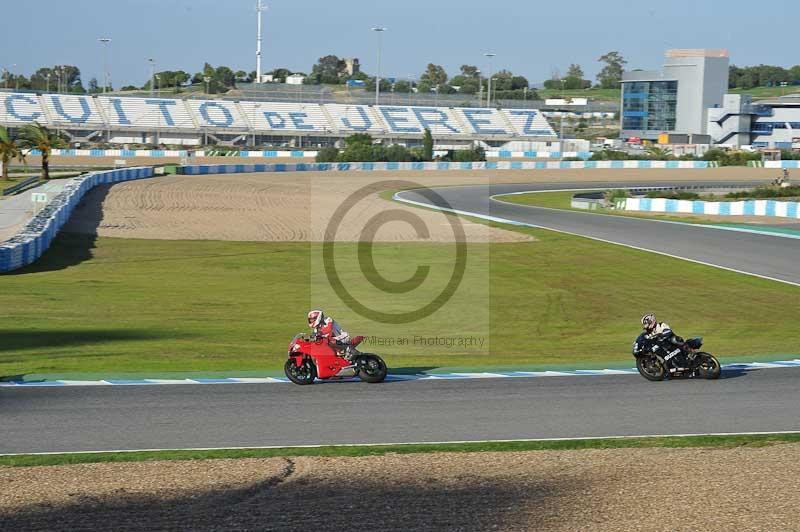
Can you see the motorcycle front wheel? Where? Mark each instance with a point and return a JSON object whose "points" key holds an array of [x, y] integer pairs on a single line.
{"points": [[651, 368], [708, 366], [303, 374], [371, 368]]}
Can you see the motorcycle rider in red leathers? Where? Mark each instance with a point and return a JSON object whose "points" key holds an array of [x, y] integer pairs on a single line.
{"points": [[326, 327]]}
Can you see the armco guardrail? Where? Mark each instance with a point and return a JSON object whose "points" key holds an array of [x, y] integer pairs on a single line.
{"points": [[34, 239], [488, 165], [21, 186], [781, 209]]}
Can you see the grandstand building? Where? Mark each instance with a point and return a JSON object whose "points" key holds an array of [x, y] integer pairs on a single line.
{"points": [[677, 98], [773, 123], [164, 121]]}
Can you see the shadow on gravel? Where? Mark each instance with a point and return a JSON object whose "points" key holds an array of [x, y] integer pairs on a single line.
{"points": [[318, 502]]}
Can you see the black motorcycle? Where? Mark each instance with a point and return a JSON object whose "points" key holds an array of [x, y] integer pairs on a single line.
{"points": [[657, 360]]}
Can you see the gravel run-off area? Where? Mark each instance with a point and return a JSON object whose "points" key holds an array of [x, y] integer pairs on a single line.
{"points": [[703, 489], [298, 206]]}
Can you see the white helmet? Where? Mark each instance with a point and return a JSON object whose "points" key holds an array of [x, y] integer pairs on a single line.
{"points": [[315, 318], [649, 322]]}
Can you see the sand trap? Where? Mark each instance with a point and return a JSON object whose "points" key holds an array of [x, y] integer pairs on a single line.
{"points": [[298, 206]]}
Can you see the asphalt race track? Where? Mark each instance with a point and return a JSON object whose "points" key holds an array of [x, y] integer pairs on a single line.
{"points": [[763, 255], [165, 417], [142, 417]]}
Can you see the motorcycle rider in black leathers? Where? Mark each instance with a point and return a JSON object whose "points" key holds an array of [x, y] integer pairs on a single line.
{"points": [[662, 334]]}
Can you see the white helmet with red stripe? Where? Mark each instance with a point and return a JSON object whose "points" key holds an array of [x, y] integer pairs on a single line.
{"points": [[649, 322], [316, 318]]}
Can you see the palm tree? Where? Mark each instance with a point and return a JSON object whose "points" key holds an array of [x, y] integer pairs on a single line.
{"points": [[658, 154], [9, 150], [38, 137]]}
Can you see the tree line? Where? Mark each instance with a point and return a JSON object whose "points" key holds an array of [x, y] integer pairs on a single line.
{"points": [[360, 147], [332, 70], [609, 76], [762, 76], [67, 79]]}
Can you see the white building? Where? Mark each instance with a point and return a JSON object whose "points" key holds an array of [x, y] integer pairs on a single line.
{"points": [[773, 123], [295, 79], [677, 98]]}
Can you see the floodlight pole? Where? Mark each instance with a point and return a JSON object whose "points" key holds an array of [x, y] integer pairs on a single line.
{"points": [[104, 41], [480, 87], [260, 8], [489, 55], [379, 30], [152, 76]]}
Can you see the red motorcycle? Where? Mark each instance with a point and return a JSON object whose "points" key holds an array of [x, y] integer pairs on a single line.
{"points": [[313, 357]]}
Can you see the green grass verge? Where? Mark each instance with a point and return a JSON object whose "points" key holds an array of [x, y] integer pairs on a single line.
{"points": [[766, 92], [600, 95], [719, 442], [111, 306], [562, 200], [11, 181]]}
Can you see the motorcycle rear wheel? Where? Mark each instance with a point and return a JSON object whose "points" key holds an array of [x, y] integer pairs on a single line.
{"points": [[371, 368], [303, 375], [708, 366], [651, 368]]}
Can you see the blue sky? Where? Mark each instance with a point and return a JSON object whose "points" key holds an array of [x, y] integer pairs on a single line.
{"points": [[530, 38]]}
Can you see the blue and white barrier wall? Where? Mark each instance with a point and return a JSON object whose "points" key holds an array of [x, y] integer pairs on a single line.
{"points": [[773, 164], [32, 241], [428, 166], [267, 154], [781, 164], [781, 209], [505, 154]]}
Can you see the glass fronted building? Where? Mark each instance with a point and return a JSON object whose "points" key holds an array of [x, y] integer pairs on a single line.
{"points": [[675, 99], [649, 105]]}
